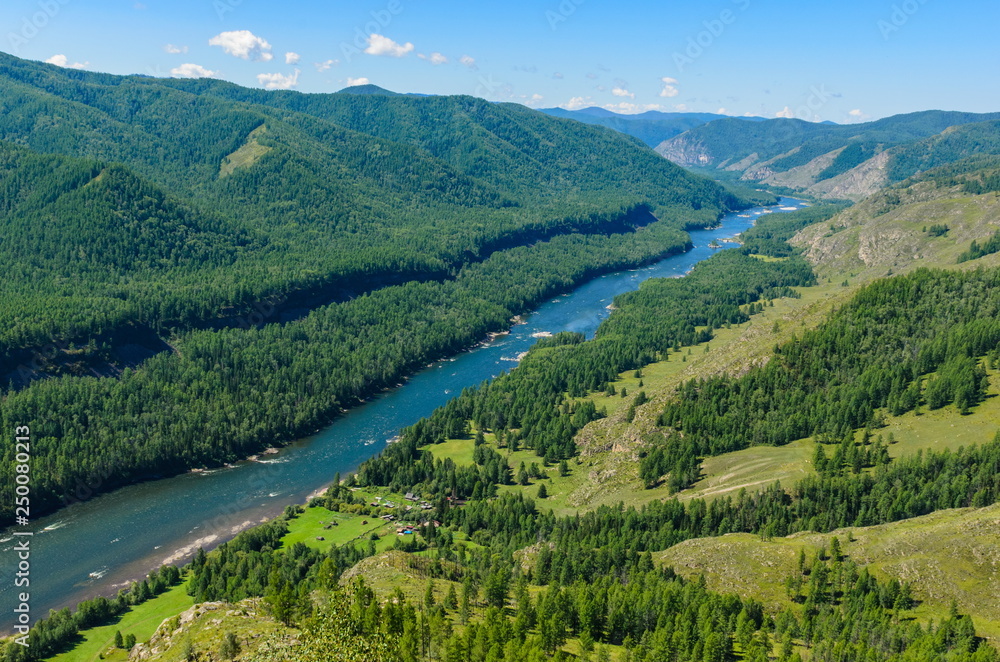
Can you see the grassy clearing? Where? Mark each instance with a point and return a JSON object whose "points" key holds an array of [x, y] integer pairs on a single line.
{"points": [[752, 469], [458, 450], [141, 620], [313, 523], [246, 155], [948, 555], [945, 428]]}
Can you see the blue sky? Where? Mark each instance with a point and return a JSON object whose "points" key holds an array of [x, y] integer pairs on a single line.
{"points": [[842, 61]]}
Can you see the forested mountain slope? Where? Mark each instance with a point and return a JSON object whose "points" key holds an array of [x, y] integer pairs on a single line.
{"points": [[401, 228], [435, 182]]}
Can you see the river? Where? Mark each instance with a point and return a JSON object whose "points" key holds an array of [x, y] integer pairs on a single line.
{"points": [[100, 545]]}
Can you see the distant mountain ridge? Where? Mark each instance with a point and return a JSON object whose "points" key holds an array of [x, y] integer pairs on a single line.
{"points": [[651, 127], [833, 161]]}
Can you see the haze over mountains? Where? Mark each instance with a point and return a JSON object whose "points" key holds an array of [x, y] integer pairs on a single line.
{"points": [[651, 127]]}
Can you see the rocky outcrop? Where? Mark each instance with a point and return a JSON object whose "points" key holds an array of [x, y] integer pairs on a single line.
{"points": [[686, 152], [858, 182]]}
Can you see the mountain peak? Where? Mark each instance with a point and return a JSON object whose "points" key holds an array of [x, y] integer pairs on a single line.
{"points": [[368, 89]]}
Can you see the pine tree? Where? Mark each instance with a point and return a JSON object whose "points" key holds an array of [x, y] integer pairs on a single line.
{"points": [[230, 647]]}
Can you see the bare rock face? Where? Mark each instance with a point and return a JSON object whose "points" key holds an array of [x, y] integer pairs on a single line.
{"points": [[858, 182], [855, 184], [685, 152], [742, 164]]}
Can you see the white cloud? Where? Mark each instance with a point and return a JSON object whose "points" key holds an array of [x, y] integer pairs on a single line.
{"points": [[558, 76], [243, 44], [292, 58], [669, 87], [434, 58], [192, 71], [622, 92], [468, 61], [379, 45], [721, 111], [681, 107], [858, 115], [576, 103], [63, 61], [628, 108], [530, 100], [323, 66], [351, 82], [278, 81], [174, 50], [786, 113]]}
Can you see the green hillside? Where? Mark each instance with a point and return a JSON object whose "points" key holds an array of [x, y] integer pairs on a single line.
{"points": [[150, 219]]}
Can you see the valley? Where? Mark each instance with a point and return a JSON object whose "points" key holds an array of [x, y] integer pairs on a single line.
{"points": [[383, 377]]}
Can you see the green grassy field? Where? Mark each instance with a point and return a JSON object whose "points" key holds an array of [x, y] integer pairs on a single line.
{"points": [[246, 155], [308, 527], [458, 450], [141, 621]]}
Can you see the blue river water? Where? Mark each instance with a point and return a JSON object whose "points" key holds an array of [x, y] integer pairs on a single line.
{"points": [[100, 545]]}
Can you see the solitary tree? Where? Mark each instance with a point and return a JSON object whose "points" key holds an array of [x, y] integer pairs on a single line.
{"points": [[230, 646]]}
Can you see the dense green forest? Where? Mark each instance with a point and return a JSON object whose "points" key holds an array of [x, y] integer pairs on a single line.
{"points": [[244, 389], [421, 188], [136, 207]]}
